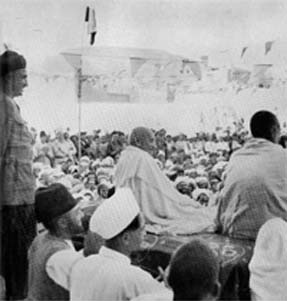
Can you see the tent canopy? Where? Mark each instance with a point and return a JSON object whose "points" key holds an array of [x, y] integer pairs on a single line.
{"points": [[73, 56]]}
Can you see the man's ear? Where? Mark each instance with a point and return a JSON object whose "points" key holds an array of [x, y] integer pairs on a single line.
{"points": [[137, 142], [125, 238], [62, 223]]}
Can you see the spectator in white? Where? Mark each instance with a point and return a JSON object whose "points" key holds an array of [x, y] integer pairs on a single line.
{"points": [[84, 166], [63, 149], [268, 266], [108, 275], [61, 215], [255, 186], [43, 150]]}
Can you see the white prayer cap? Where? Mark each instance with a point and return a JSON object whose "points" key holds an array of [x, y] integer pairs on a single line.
{"points": [[115, 214], [85, 159]]}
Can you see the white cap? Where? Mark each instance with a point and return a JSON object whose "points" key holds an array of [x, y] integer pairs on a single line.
{"points": [[115, 214]]}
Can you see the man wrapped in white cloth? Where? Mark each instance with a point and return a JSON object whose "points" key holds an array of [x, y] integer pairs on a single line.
{"points": [[158, 199], [255, 186], [268, 266], [108, 275]]}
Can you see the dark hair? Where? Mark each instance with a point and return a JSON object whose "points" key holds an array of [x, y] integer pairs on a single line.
{"points": [[43, 134], [194, 270], [264, 124], [51, 225], [283, 141]]}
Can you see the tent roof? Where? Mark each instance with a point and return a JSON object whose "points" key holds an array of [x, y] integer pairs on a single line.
{"points": [[73, 55]]}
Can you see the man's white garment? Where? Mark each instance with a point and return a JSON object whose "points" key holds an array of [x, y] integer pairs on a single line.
{"points": [[255, 188], [158, 199], [108, 275], [268, 266]]}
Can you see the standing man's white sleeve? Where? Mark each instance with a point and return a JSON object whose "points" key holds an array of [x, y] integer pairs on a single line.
{"points": [[60, 264]]}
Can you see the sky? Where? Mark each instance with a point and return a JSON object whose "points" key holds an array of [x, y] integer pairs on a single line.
{"points": [[39, 28]]}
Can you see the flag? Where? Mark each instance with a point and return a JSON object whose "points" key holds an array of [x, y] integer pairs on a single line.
{"points": [[87, 14], [268, 46], [243, 51], [90, 17]]}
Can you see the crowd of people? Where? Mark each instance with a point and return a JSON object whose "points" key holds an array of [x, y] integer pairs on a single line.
{"points": [[194, 164], [112, 187]]}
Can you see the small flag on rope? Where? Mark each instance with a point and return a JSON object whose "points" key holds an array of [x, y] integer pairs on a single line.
{"points": [[268, 46], [90, 17], [243, 51]]}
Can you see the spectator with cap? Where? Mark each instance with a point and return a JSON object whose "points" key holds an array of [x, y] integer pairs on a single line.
{"points": [[255, 185], [109, 275], [17, 183], [61, 215]]}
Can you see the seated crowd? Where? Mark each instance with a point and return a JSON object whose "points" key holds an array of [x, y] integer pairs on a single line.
{"points": [[195, 165], [122, 188]]}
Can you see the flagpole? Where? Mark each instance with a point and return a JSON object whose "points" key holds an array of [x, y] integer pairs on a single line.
{"points": [[79, 87], [79, 95]]}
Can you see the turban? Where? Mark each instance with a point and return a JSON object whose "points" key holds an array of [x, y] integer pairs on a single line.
{"points": [[11, 61]]}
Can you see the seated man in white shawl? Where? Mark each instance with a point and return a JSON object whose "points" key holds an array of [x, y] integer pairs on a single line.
{"points": [[255, 187], [158, 199]]}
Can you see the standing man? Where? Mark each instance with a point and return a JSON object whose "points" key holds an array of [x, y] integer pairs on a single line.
{"points": [[16, 178]]}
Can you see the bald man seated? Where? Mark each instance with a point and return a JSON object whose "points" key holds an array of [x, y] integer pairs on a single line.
{"points": [[158, 199], [255, 186]]}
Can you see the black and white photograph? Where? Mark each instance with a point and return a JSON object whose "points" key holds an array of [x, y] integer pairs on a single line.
{"points": [[143, 150]]}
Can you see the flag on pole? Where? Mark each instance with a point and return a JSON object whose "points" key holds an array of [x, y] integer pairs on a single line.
{"points": [[268, 46], [87, 14], [90, 18], [243, 51]]}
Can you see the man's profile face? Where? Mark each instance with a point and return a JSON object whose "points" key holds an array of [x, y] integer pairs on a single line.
{"points": [[19, 82], [75, 217], [277, 133], [149, 143]]}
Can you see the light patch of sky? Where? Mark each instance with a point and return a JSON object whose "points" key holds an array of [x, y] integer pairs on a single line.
{"points": [[192, 28]]}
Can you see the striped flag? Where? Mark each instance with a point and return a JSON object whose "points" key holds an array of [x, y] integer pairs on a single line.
{"points": [[90, 18]]}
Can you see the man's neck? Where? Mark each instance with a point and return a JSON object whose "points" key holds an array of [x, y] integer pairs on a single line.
{"points": [[61, 235], [119, 249]]}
